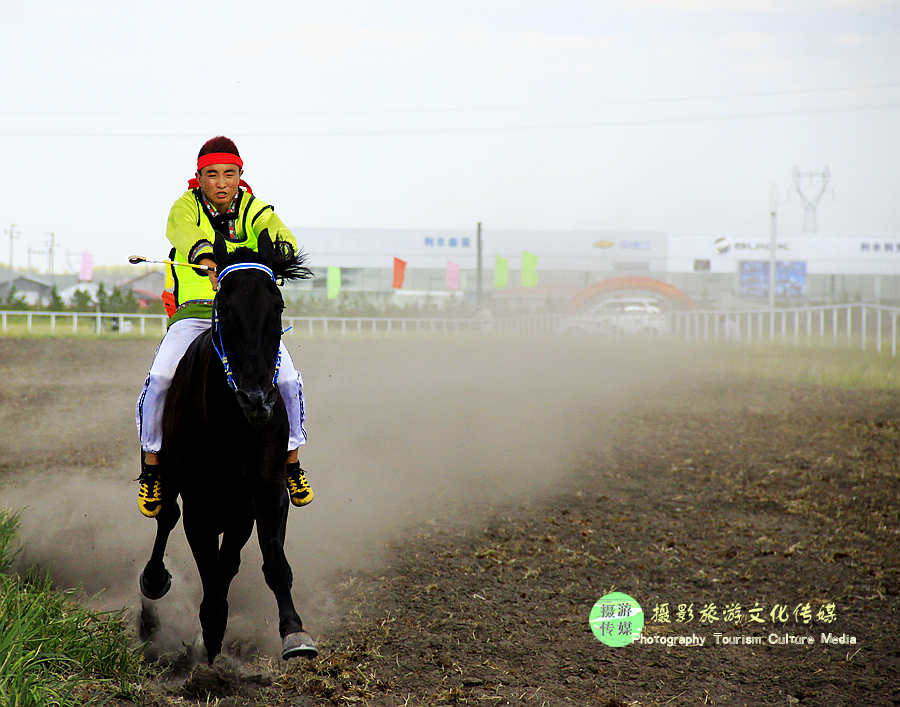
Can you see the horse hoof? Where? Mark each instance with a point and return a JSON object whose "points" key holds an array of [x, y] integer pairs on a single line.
{"points": [[298, 645], [198, 649], [148, 621], [156, 593]]}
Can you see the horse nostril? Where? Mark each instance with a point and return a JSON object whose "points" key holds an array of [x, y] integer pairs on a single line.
{"points": [[248, 399], [257, 405]]}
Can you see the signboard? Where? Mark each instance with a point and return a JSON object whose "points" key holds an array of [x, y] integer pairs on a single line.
{"points": [[790, 279], [823, 255]]}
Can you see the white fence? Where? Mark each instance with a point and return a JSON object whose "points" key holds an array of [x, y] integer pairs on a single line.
{"points": [[862, 326], [75, 322], [97, 323]]}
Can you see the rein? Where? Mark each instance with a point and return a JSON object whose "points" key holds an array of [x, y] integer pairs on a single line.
{"points": [[218, 343]]}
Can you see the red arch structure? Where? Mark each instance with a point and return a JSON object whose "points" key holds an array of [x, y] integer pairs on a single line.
{"points": [[647, 284]]}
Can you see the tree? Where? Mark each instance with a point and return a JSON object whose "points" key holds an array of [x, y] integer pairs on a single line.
{"points": [[121, 300], [129, 301], [14, 300], [82, 301], [56, 304], [114, 303], [102, 299]]}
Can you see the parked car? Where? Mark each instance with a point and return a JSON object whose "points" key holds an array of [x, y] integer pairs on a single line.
{"points": [[617, 317]]}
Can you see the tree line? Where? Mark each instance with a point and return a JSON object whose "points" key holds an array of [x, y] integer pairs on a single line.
{"points": [[118, 300]]}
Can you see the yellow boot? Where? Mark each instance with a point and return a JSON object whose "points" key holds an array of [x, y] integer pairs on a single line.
{"points": [[298, 486], [150, 490]]}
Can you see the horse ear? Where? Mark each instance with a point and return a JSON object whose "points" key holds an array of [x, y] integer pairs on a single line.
{"points": [[220, 250], [265, 248]]}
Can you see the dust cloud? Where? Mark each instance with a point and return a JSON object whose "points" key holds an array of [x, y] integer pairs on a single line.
{"points": [[403, 432]]}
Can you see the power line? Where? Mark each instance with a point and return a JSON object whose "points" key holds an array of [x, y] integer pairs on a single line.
{"points": [[472, 109], [633, 122]]}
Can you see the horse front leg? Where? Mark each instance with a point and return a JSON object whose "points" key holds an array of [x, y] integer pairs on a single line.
{"points": [[204, 542], [234, 538], [270, 529], [155, 578]]}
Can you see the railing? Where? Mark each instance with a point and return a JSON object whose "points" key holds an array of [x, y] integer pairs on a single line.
{"points": [[104, 322], [96, 322], [863, 326], [525, 324], [378, 325]]}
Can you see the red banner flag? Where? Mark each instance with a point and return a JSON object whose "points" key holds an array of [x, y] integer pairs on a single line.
{"points": [[399, 273]]}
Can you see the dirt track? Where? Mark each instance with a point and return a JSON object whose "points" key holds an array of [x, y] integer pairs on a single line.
{"points": [[474, 501]]}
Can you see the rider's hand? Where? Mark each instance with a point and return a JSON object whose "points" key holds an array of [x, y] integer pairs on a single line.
{"points": [[213, 277]]}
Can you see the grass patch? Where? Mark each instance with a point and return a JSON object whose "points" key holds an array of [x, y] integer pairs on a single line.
{"points": [[53, 651], [841, 368], [17, 326]]}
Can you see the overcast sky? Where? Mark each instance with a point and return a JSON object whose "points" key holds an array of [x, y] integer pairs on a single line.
{"points": [[672, 115]]}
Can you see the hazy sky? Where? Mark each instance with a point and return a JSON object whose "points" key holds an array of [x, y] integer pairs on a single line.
{"points": [[673, 115]]}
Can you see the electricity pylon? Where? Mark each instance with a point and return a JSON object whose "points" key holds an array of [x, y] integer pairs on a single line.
{"points": [[806, 187]]}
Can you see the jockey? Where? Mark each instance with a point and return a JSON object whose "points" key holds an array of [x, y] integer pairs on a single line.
{"points": [[214, 203]]}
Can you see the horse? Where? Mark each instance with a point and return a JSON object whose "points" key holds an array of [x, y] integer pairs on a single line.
{"points": [[225, 435]]}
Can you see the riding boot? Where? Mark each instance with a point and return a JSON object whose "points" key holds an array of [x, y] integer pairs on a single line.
{"points": [[150, 490], [298, 487]]}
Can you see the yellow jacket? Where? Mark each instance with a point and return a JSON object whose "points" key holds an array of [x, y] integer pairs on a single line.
{"points": [[191, 231]]}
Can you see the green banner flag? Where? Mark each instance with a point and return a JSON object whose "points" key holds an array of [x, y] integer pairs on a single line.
{"points": [[529, 269], [334, 281], [501, 273]]}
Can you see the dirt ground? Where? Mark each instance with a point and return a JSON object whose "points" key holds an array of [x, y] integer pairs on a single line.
{"points": [[475, 499]]}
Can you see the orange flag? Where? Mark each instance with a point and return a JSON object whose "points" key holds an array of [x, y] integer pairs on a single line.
{"points": [[399, 273]]}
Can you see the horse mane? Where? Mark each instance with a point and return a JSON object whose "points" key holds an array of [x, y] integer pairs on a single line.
{"points": [[285, 264]]}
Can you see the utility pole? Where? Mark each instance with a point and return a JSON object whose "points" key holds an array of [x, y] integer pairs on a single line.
{"points": [[773, 244], [51, 246], [12, 236], [478, 268]]}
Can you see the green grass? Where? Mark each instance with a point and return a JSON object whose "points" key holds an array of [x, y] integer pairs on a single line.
{"points": [[842, 368], [53, 651], [17, 327]]}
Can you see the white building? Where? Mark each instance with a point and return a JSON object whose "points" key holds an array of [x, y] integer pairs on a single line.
{"points": [[715, 268]]}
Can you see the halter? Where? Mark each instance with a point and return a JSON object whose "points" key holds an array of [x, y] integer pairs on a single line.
{"points": [[247, 266], [218, 344]]}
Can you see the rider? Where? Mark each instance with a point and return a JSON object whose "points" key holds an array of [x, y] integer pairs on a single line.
{"points": [[215, 202]]}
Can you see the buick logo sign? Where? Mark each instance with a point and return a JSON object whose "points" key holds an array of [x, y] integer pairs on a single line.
{"points": [[722, 245]]}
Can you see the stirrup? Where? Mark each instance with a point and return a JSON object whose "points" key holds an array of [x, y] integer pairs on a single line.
{"points": [[298, 487], [150, 490]]}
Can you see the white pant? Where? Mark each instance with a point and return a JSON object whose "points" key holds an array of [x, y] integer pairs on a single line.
{"points": [[149, 410]]}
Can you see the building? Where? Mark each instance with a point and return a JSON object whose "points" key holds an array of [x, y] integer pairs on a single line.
{"points": [[714, 269], [33, 289]]}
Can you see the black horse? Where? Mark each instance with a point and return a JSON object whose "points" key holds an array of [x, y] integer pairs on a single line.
{"points": [[225, 436]]}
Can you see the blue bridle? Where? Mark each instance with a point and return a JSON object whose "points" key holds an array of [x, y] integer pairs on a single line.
{"points": [[218, 344]]}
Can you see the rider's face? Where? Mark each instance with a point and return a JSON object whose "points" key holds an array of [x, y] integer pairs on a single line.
{"points": [[220, 183]]}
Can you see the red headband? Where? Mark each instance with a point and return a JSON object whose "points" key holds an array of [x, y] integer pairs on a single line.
{"points": [[194, 183], [219, 158]]}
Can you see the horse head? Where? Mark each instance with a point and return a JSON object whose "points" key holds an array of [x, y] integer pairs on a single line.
{"points": [[246, 330]]}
